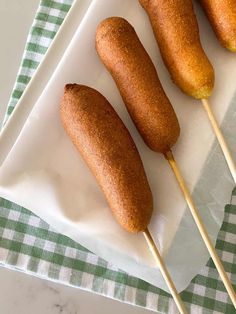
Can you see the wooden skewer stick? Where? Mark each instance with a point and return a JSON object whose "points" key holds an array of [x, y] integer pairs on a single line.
{"points": [[202, 229], [220, 138], [164, 271]]}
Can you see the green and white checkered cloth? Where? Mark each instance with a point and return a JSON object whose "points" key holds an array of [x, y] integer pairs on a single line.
{"points": [[30, 245]]}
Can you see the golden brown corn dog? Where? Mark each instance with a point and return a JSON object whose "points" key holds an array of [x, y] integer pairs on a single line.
{"points": [[108, 149], [176, 30], [135, 75], [222, 16]]}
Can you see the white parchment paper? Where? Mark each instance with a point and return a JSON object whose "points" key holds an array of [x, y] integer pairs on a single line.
{"points": [[44, 173]]}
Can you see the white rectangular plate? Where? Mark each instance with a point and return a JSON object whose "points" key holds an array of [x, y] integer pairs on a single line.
{"points": [[44, 173]]}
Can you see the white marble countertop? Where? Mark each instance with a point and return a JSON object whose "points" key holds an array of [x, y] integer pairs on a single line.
{"points": [[23, 294], [20, 293]]}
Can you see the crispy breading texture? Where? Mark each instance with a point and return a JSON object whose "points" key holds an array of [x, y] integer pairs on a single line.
{"points": [[132, 69], [222, 16], [109, 151], [176, 30]]}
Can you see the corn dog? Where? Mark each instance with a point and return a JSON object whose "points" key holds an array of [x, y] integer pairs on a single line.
{"points": [[135, 75], [176, 30], [222, 16], [109, 151], [124, 56]]}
